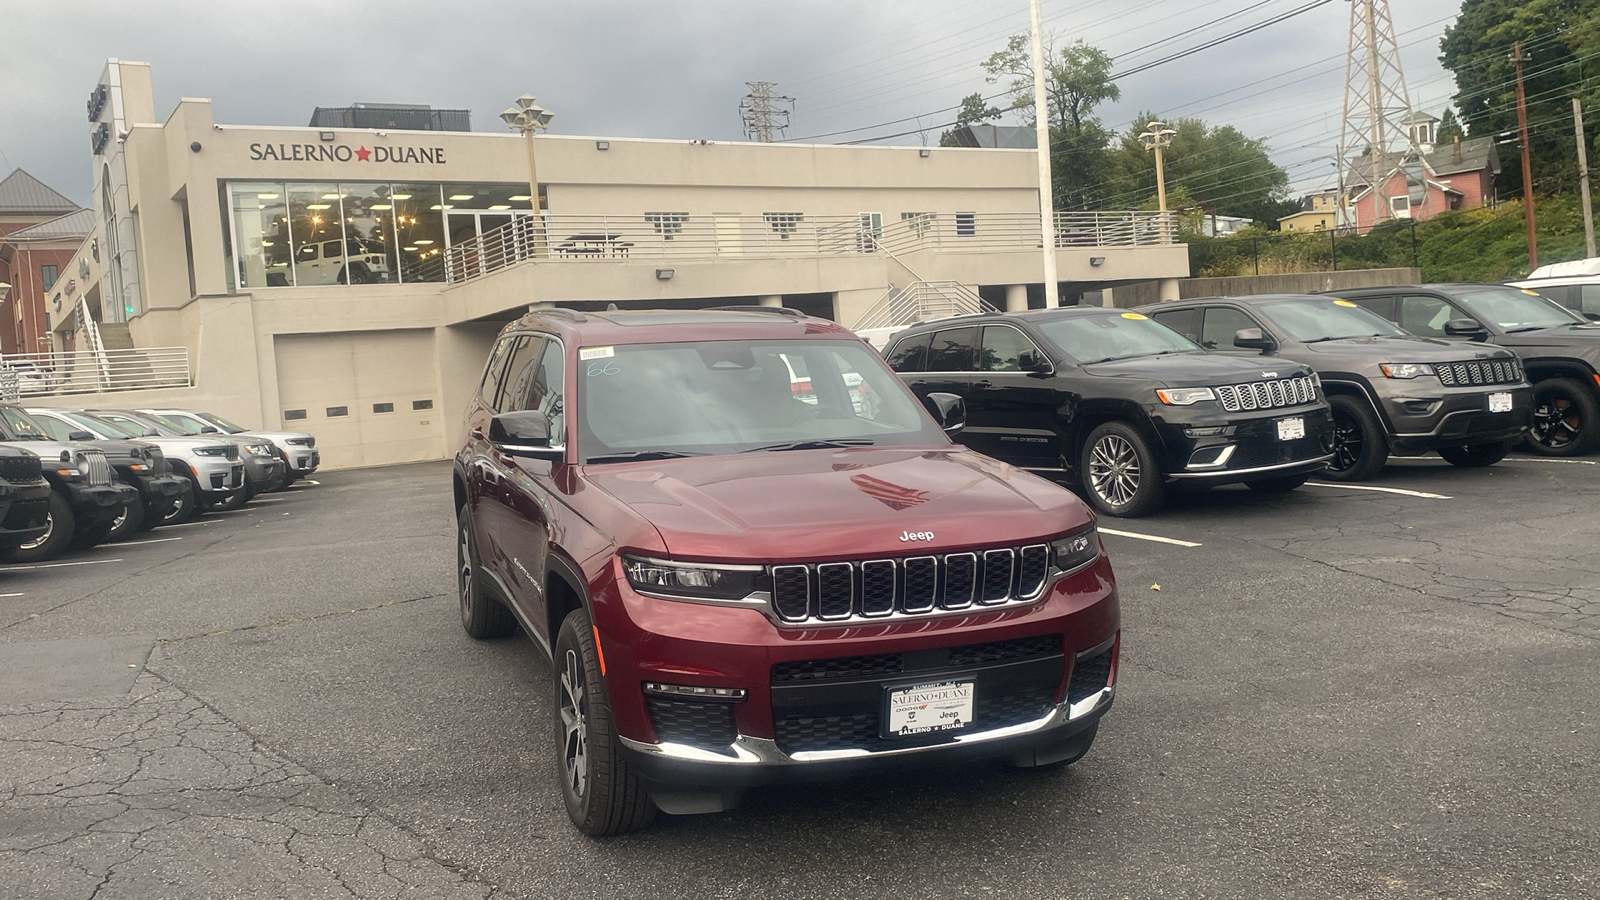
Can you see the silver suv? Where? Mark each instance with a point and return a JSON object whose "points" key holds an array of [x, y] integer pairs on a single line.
{"points": [[212, 465], [297, 449]]}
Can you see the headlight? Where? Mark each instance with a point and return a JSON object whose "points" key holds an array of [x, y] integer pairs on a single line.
{"points": [[1185, 396], [1406, 370], [698, 581], [211, 451], [1074, 550], [83, 464], [261, 450]]}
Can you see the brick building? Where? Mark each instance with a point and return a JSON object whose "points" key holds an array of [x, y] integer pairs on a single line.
{"points": [[40, 230]]}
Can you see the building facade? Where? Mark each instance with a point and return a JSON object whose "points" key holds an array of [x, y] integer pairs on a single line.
{"points": [[348, 281], [40, 231]]}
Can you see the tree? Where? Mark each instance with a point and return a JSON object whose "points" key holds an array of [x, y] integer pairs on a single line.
{"points": [[1561, 37], [1077, 80], [1221, 168], [973, 109], [1449, 128]]}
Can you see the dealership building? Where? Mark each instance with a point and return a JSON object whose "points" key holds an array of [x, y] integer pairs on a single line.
{"points": [[347, 278]]}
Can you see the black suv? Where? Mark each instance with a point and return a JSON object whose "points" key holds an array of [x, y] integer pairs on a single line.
{"points": [[1559, 348], [1390, 391], [24, 498], [1119, 402]]}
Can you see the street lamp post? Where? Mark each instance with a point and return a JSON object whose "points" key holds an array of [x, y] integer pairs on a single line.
{"points": [[1157, 136], [529, 118]]}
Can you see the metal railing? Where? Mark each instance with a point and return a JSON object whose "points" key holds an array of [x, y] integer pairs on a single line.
{"points": [[920, 302], [88, 371], [664, 237]]}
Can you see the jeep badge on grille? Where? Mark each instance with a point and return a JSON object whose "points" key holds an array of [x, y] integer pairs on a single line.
{"points": [[916, 536]]}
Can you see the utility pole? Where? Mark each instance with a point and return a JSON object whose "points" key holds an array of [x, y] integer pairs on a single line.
{"points": [[1041, 131], [1157, 136], [1377, 109], [1527, 167], [1583, 178], [762, 111]]}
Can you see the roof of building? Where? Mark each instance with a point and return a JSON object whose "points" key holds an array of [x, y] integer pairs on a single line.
{"points": [[1307, 212], [72, 226], [1469, 155], [1419, 116], [1004, 137], [21, 192]]}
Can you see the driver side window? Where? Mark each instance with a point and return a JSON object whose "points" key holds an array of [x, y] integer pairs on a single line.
{"points": [[1217, 330], [1424, 316]]}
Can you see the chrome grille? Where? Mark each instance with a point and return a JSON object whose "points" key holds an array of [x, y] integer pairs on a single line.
{"points": [[99, 468], [1484, 371], [877, 588], [1267, 394]]}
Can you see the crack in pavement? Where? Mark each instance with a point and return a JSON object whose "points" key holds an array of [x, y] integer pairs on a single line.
{"points": [[296, 620]]}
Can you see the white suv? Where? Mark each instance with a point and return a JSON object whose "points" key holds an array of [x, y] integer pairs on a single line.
{"points": [[351, 261]]}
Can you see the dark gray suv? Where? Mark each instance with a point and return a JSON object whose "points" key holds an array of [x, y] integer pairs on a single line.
{"points": [[1390, 391]]}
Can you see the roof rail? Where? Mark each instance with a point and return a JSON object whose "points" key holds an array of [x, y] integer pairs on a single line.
{"points": [[772, 310], [560, 313]]}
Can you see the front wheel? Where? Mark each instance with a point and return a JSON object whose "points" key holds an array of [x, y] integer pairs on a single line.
{"points": [[604, 795], [1119, 472], [482, 616], [1360, 447], [59, 525], [1280, 485], [1566, 418], [187, 506], [1475, 456], [129, 522]]}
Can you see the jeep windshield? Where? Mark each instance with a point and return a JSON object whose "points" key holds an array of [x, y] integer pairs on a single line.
{"points": [[1102, 338], [1314, 319], [1514, 309], [715, 397]]}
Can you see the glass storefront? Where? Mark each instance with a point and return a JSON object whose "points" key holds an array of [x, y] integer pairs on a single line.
{"points": [[299, 234]]}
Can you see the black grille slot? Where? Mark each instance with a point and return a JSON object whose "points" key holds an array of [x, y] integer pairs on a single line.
{"points": [[1013, 709], [1475, 372], [1032, 569], [20, 468], [801, 733], [841, 667], [997, 569], [791, 592], [960, 580], [1263, 453], [26, 514], [835, 590], [231, 451], [922, 582], [692, 722], [1004, 651], [877, 587], [1089, 676]]}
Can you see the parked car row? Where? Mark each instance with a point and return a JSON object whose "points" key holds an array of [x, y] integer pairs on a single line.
{"points": [[71, 479], [1264, 390]]}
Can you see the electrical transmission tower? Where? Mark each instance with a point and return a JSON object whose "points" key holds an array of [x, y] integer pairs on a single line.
{"points": [[1375, 137], [764, 112]]}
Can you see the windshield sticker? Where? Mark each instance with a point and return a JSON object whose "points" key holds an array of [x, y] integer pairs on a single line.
{"points": [[1530, 293], [1134, 316], [602, 368], [1343, 303], [597, 353]]}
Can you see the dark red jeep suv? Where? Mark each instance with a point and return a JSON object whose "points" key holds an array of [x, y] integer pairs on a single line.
{"points": [[754, 556]]}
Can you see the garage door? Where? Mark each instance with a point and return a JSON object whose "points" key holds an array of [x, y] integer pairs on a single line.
{"points": [[370, 397]]}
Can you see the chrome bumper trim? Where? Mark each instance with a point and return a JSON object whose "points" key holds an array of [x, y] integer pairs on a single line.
{"points": [[1255, 471]]}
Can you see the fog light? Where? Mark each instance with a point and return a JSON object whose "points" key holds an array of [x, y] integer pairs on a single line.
{"points": [[1207, 431], [696, 691], [1211, 457]]}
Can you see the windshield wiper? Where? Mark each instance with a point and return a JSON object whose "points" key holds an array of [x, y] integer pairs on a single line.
{"points": [[1345, 337], [1533, 328], [634, 455], [813, 444]]}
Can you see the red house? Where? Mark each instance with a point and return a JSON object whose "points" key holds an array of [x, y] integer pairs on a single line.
{"points": [[1457, 175]]}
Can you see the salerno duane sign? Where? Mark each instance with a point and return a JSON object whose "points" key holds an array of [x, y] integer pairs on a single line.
{"points": [[346, 153]]}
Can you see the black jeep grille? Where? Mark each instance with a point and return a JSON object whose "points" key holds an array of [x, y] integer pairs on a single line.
{"points": [[1479, 371], [867, 589], [20, 468]]}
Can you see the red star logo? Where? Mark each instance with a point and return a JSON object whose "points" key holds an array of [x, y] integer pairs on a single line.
{"points": [[363, 154]]}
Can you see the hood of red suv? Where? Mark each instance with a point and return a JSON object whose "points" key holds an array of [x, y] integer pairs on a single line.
{"points": [[807, 505]]}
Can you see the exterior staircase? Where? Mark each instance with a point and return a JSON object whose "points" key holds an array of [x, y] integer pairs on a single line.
{"points": [[919, 302], [115, 336]]}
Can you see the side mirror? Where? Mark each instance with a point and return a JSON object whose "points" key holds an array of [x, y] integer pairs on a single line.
{"points": [[1253, 339], [150, 432], [949, 410], [1467, 328], [209, 429], [1033, 361], [525, 433], [80, 436]]}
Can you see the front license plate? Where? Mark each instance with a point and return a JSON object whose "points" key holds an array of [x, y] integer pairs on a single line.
{"points": [[1291, 429], [1500, 401], [926, 708]]}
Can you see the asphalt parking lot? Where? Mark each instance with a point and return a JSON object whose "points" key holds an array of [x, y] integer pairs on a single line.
{"points": [[1385, 690]]}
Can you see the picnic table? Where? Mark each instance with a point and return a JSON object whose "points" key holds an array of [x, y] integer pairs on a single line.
{"points": [[596, 244]]}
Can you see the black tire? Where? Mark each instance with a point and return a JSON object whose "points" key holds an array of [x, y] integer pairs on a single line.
{"points": [[1280, 485], [1475, 456], [1360, 446], [91, 535], [1566, 418], [129, 522], [1119, 472], [482, 616], [604, 795], [187, 507], [59, 527]]}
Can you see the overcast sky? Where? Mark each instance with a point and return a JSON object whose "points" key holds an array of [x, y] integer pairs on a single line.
{"points": [[677, 69]]}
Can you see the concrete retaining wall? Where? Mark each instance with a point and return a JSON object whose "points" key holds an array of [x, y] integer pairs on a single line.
{"points": [[1299, 283]]}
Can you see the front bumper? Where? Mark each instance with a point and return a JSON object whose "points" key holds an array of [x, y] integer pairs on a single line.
{"points": [[1249, 446], [819, 726], [266, 473], [23, 511], [1427, 417], [217, 476], [302, 461], [96, 504], [160, 492]]}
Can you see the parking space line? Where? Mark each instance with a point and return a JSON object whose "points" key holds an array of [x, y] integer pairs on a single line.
{"points": [[1545, 459], [1373, 487], [81, 562], [187, 524], [150, 541], [19, 594], [1149, 537], [268, 499]]}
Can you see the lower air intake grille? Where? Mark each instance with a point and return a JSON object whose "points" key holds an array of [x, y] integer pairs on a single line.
{"points": [[692, 722], [1089, 676]]}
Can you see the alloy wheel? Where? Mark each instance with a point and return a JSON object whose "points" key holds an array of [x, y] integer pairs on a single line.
{"points": [[120, 520], [1556, 423], [464, 579], [1347, 443], [1114, 470], [575, 725], [49, 529]]}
